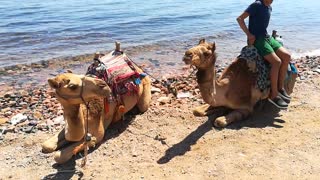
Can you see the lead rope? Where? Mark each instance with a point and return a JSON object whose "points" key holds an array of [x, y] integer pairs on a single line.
{"points": [[173, 89], [87, 137]]}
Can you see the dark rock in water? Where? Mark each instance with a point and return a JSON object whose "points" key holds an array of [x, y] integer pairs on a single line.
{"points": [[171, 63]]}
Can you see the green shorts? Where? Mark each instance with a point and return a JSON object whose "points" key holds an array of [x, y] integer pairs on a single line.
{"points": [[266, 45]]}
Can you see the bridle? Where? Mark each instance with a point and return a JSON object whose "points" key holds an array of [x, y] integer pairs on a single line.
{"points": [[88, 136]]}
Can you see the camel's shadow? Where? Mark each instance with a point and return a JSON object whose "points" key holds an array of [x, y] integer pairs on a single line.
{"points": [[68, 169], [265, 115]]}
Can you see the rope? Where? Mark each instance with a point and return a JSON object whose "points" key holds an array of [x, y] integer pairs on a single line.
{"points": [[87, 137], [173, 89]]}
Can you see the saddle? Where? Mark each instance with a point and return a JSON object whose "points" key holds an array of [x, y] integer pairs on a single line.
{"points": [[119, 72], [258, 65]]}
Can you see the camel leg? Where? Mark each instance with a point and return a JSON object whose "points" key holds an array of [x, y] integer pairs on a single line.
{"points": [[207, 110], [145, 98], [65, 154], [55, 142], [235, 115]]}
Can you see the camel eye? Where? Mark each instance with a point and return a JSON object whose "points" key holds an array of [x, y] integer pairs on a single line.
{"points": [[206, 53], [72, 86]]}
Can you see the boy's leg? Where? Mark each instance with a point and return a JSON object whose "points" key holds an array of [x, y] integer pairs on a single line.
{"points": [[275, 62], [265, 49], [285, 57]]}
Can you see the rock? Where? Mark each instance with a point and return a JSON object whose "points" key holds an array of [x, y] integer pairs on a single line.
{"points": [[58, 120], [154, 89], [18, 119], [24, 93], [37, 115], [163, 100], [302, 78], [183, 95], [317, 71], [3, 120], [11, 103], [5, 110], [8, 113]]}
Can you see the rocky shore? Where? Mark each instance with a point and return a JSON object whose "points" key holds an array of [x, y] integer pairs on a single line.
{"points": [[28, 105]]}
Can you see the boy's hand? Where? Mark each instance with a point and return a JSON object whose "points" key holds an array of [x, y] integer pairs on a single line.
{"points": [[251, 39]]}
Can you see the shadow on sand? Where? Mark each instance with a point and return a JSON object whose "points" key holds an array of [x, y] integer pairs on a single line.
{"points": [[265, 115]]}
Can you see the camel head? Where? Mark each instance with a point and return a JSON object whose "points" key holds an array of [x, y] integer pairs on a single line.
{"points": [[70, 87], [201, 56]]}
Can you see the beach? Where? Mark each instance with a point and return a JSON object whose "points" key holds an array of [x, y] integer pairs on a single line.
{"points": [[167, 141], [39, 40]]}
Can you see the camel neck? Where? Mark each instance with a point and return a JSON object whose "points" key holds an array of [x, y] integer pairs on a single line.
{"points": [[74, 122], [208, 86]]}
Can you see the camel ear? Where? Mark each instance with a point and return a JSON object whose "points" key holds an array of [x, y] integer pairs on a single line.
{"points": [[69, 71], [213, 46], [101, 83], [53, 83], [202, 41]]}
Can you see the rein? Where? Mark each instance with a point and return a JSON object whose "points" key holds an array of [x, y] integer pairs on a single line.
{"points": [[87, 137]]}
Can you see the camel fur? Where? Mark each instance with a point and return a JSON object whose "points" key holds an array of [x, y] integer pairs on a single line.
{"points": [[235, 89], [68, 88]]}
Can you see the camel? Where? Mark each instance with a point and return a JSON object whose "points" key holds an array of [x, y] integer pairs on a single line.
{"points": [[234, 89], [82, 99]]}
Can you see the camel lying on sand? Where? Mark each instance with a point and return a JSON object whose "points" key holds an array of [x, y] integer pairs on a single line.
{"points": [[73, 91], [235, 89]]}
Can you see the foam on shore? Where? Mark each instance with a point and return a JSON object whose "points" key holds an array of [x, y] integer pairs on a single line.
{"points": [[297, 55]]}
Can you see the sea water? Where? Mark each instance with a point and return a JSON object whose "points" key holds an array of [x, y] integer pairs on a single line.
{"points": [[35, 30]]}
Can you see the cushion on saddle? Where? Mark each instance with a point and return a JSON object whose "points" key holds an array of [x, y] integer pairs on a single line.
{"points": [[118, 67], [258, 65], [118, 72]]}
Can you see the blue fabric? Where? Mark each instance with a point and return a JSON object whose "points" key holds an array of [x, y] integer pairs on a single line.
{"points": [[293, 68], [259, 19]]}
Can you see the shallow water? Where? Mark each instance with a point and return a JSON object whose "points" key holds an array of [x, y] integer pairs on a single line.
{"points": [[37, 30]]}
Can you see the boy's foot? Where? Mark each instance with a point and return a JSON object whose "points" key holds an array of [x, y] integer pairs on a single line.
{"points": [[283, 94], [278, 102]]}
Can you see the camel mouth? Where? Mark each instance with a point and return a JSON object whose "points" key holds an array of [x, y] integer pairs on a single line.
{"points": [[187, 59]]}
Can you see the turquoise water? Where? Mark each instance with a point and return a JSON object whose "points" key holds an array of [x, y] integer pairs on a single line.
{"points": [[36, 30]]}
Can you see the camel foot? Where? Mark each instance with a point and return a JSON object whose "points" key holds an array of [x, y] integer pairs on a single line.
{"points": [[65, 154], [48, 147], [201, 111], [220, 122], [61, 158], [54, 143]]}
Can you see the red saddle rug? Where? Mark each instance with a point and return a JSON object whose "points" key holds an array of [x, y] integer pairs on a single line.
{"points": [[119, 67]]}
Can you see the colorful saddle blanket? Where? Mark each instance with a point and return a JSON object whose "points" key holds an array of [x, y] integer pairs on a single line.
{"points": [[119, 67], [117, 70], [258, 65]]}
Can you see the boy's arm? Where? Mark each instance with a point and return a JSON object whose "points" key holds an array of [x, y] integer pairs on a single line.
{"points": [[243, 26]]}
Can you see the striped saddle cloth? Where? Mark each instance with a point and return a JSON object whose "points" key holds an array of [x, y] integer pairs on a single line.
{"points": [[119, 67]]}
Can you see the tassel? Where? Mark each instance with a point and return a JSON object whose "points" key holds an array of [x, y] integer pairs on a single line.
{"points": [[121, 109]]}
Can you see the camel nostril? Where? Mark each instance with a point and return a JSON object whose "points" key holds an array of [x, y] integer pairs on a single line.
{"points": [[188, 53]]}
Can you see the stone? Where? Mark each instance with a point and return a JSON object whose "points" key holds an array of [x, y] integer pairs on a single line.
{"points": [[154, 89], [3, 120], [37, 115], [163, 100]]}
